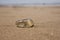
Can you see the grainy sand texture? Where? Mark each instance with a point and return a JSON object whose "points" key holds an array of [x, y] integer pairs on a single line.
{"points": [[46, 20]]}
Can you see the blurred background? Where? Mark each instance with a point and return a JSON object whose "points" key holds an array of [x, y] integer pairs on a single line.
{"points": [[46, 19], [30, 2]]}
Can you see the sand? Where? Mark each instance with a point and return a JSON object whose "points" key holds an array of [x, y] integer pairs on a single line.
{"points": [[46, 20]]}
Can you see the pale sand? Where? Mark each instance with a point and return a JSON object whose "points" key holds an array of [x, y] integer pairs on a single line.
{"points": [[46, 19]]}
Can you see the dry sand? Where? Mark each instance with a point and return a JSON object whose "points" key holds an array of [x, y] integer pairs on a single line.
{"points": [[46, 19]]}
